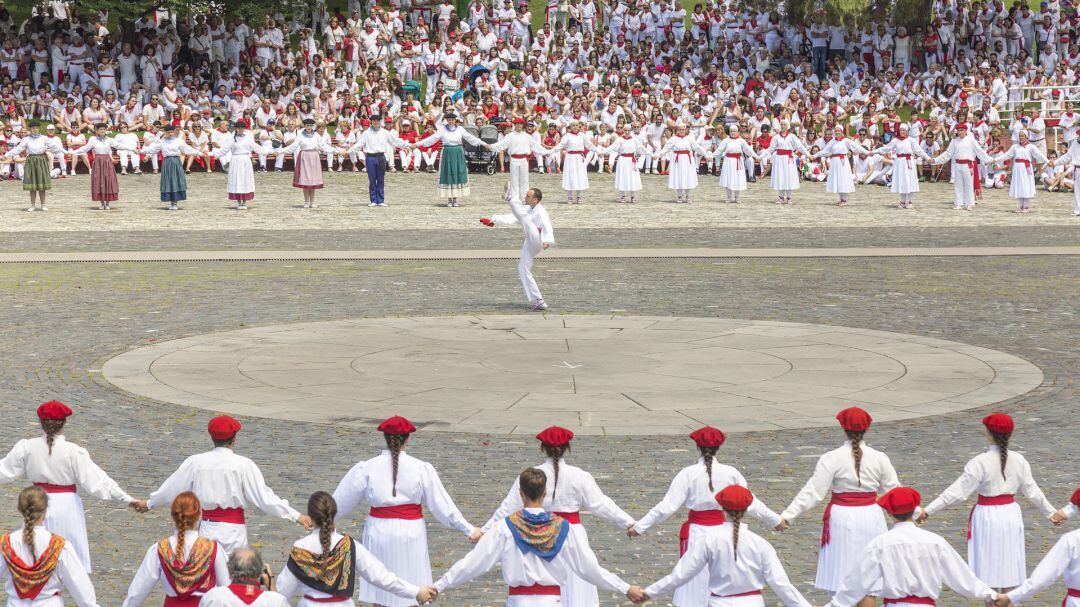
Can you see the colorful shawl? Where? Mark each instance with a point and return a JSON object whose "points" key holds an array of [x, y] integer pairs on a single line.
{"points": [[30, 579], [332, 573], [541, 534], [195, 575]]}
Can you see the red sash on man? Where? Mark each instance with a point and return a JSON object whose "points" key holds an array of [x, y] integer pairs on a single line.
{"points": [[914, 600], [974, 166], [859, 498], [408, 512]]}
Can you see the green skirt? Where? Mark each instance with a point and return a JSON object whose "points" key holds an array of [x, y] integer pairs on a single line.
{"points": [[36, 175], [173, 181], [453, 173]]}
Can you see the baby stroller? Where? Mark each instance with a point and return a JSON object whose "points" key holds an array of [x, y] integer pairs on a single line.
{"points": [[479, 158]]}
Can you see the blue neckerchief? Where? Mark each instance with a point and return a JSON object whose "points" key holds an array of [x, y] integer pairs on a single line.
{"points": [[542, 518]]}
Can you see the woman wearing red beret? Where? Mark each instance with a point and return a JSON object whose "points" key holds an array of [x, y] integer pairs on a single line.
{"points": [[396, 486], [851, 477], [996, 525]]}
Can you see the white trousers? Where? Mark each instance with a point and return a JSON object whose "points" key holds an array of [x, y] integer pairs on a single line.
{"points": [[1076, 191], [519, 178], [230, 535], [128, 158], [963, 188], [529, 250]]}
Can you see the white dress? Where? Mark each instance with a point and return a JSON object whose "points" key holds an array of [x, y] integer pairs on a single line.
{"points": [[1063, 560], [69, 465], [905, 175], [995, 532], [400, 543], [852, 527], [627, 177], [732, 172], [682, 170], [1023, 157], [575, 172], [241, 179], [691, 487], [150, 574], [785, 170], [837, 151], [69, 574]]}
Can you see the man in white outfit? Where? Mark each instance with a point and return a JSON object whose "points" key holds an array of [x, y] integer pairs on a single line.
{"points": [[520, 146], [536, 224], [966, 152]]}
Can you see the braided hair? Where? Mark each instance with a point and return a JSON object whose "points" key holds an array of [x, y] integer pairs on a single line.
{"points": [[322, 509], [52, 427], [735, 516], [186, 512], [708, 454], [856, 437], [395, 442], [33, 502], [1001, 439], [555, 452]]}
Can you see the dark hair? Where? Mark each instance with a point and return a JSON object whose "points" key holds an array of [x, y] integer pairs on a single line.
{"points": [[533, 483], [52, 427], [322, 509], [555, 452], [856, 450], [394, 442], [905, 517], [224, 442], [735, 516], [1001, 439], [536, 192], [708, 454]]}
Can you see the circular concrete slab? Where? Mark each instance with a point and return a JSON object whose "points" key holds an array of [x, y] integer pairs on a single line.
{"points": [[594, 374]]}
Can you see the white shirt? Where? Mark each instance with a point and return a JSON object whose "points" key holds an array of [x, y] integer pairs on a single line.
{"points": [[448, 137], [237, 145], [223, 596], [170, 146], [756, 566], [222, 479], [307, 141], [69, 464], [963, 148], [371, 481], [691, 487], [35, 144], [908, 561], [366, 566], [539, 218], [526, 569], [518, 143], [101, 146], [983, 474], [1062, 560], [378, 141], [69, 574], [835, 472], [149, 575]]}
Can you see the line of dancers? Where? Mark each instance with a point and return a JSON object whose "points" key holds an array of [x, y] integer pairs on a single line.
{"points": [[536, 534]]}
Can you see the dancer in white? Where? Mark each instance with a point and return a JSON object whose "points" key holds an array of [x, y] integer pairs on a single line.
{"points": [[575, 144], [732, 172], [539, 236], [307, 168], [905, 173], [1024, 157], [1071, 159], [396, 486], [838, 150], [682, 170], [520, 146], [965, 152], [784, 177], [1063, 560], [626, 148], [62, 469], [569, 491], [240, 184]]}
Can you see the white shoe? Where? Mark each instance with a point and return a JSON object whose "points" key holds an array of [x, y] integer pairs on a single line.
{"points": [[44, 208], [371, 204], [31, 209], [539, 305]]}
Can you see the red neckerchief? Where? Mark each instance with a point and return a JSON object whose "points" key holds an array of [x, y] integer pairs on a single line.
{"points": [[246, 592]]}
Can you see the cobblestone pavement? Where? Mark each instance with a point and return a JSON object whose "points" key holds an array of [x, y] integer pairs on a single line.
{"points": [[60, 322], [413, 204]]}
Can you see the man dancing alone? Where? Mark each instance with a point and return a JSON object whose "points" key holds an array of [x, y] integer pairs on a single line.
{"points": [[536, 225]]}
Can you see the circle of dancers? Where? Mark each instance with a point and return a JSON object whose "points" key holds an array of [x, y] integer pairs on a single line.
{"points": [[537, 534]]}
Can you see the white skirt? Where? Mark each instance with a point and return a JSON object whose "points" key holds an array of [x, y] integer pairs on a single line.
{"points": [[627, 177], [575, 176], [1023, 182], [733, 174], [737, 601], [577, 592], [851, 529], [539, 600], [65, 517], [996, 547], [682, 172], [229, 536], [402, 546], [241, 176], [905, 177], [695, 593], [785, 173], [839, 180]]}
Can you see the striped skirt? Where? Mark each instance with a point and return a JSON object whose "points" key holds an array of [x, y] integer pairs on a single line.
{"points": [[36, 175], [103, 186], [65, 517], [996, 547], [173, 181], [453, 173], [307, 170], [402, 546], [851, 529]]}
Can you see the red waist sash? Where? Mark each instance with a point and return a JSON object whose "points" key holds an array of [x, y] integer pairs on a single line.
{"points": [[988, 500], [1024, 162], [224, 515], [578, 152], [738, 166], [51, 488], [918, 600], [1072, 593], [907, 157], [628, 156], [735, 596], [839, 155], [191, 600], [788, 153], [574, 518], [974, 166], [519, 156], [408, 512], [535, 590], [855, 498], [327, 599], [705, 518]]}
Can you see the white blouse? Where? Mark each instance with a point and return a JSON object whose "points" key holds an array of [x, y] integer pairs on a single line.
{"points": [[982, 474], [101, 146], [306, 141], [449, 137], [69, 464], [150, 575], [835, 472], [33, 145], [69, 574], [170, 146]]}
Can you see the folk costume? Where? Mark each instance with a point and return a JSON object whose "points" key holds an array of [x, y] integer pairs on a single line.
{"points": [[103, 185], [536, 225], [838, 151], [240, 183], [784, 177], [38, 582], [965, 152], [242, 595], [905, 172], [1063, 561], [173, 185], [453, 172], [184, 578], [1024, 157]]}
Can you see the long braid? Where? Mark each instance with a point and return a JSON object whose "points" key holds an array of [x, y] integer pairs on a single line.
{"points": [[555, 452], [322, 509], [186, 512], [709, 454], [856, 451], [394, 442], [736, 521], [52, 427], [33, 502], [1002, 441]]}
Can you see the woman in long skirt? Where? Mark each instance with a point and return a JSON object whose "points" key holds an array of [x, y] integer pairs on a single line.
{"points": [[996, 525], [732, 172], [173, 182], [1024, 157], [396, 486], [575, 145], [905, 174], [682, 170], [838, 152], [62, 469], [241, 179], [104, 188], [37, 176], [453, 172], [854, 474], [626, 148], [307, 166], [784, 177], [696, 487]]}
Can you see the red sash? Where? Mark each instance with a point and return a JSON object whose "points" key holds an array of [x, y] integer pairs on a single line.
{"points": [[574, 518], [682, 153], [974, 166], [535, 590], [519, 156], [1024, 162], [706, 518], [187, 601], [246, 593], [987, 500], [855, 498], [917, 600], [408, 512], [578, 152], [908, 157], [738, 160], [1072, 593], [51, 488], [224, 515], [327, 599], [630, 156], [789, 153], [735, 596]]}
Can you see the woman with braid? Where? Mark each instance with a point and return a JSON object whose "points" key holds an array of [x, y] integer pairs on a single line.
{"points": [[62, 469], [186, 565], [323, 566], [851, 477], [996, 525], [696, 487], [38, 565], [396, 486], [569, 491], [737, 562]]}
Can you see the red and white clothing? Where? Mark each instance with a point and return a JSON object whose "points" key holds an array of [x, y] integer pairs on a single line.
{"points": [[69, 574], [225, 484], [965, 153], [575, 169], [785, 168], [905, 173], [1063, 560], [682, 170], [732, 171], [394, 530], [837, 151], [520, 146], [627, 176], [1024, 158], [253, 596], [1071, 159], [62, 474], [151, 573]]}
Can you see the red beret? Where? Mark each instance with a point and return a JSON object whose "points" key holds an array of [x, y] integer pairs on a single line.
{"points": [[365, 122], [708, 437], [902, 500], [999, 422], [962, 125], [519, 120], [1075, 500], [854, 419], [555, 436], [223, 427], [735, 497], [53, 409], [397, 425], [237, 92]]}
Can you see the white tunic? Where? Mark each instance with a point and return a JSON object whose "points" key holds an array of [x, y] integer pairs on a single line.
{"points": [[982, 474], [575, 172], [238, 150], [785, 169], [540, 219], [908, 561], [448, 137], [69, 574], [519, 143], [682, 170], [733, 171], [1024, 157], [905, 174], [150, 575], [627, 177], [839, 180], [1063, 560], [32, 145], [223, 596], [307, 141], [756, 566]]}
